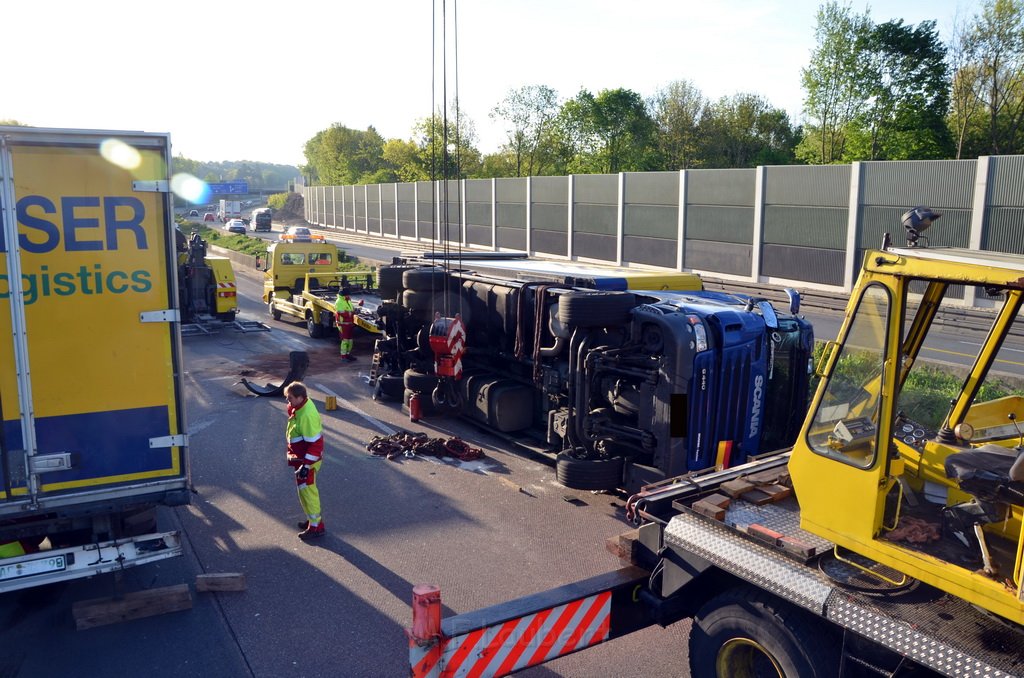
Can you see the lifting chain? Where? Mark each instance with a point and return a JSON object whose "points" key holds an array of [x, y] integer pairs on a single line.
{"points": [[406, 444]]}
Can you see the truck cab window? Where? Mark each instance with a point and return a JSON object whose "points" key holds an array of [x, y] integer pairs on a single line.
{"points": [[846, 421]]}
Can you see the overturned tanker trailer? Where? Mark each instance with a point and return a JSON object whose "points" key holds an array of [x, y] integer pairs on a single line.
{"points": [[621, 388]]}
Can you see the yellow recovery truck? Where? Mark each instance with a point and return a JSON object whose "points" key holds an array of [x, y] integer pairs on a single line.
{"points": [[302, 280], [885, 541]]}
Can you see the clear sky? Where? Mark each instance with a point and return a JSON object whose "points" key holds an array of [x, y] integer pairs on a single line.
{"points": [[254, 80]]}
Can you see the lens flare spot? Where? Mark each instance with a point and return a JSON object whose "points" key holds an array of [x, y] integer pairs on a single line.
{"points": [[121, 154], [190, 188]]}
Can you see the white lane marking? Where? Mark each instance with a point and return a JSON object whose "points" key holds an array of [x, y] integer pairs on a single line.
{"points": [[349, 406]]}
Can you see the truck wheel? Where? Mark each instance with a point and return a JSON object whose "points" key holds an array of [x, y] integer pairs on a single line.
{"points": [[389, 387], [595, 309], [389, 280], [420, 382], [425, 279], [746, 632], [273, 311], [315, 329], [418, 300], [588, 474], [426, 404]]}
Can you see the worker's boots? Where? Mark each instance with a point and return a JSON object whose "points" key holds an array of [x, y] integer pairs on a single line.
{"points": [[312, 532]]}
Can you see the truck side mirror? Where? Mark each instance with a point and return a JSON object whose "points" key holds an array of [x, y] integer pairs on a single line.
{"points": [[794, 300]]}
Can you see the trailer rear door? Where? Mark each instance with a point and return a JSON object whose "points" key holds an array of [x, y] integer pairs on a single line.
{"points": [[89, 386]]}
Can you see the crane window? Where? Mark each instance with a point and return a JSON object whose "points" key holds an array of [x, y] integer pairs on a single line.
{"points": [[846, 421]]}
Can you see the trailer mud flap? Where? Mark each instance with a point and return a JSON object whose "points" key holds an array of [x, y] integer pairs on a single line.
{"points": [[509, 637], [298, 362]]}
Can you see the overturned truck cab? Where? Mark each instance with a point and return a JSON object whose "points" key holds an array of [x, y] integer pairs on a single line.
{"points": [[623, 388]]}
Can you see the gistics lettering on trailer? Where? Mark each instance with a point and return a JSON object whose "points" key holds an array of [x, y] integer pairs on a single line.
{"points": [[79, 224]]}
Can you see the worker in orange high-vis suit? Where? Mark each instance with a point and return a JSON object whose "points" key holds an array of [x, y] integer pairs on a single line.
{"points": [[305, 454], [345, 318]]}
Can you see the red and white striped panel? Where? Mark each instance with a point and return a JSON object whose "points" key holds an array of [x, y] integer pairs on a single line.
{"points": [[526, 641]]}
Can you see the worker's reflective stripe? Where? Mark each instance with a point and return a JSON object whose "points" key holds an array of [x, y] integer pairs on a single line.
{"points": [[313, 439], [518, 643]]}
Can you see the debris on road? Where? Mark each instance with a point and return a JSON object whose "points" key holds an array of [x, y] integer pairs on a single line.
{"points": [[406, 444]]}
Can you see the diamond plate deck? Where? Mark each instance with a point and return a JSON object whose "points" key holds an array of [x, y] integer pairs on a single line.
{"points": [[778, 517], [752, 562]]}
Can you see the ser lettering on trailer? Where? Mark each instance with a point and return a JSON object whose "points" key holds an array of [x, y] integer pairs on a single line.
{"points": [[86, 224]]}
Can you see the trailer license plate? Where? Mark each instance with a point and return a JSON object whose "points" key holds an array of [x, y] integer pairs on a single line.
{"points": [[32, 567]]}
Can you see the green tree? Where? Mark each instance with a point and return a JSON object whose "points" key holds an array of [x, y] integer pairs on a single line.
{"points": [[906, 95], [677, 111], [340, 155], [988, 86], [529, 113], [834, 82], [744, 130], [458, 159], [608, 133], [403, 158], [501, 164], [10, 122]]}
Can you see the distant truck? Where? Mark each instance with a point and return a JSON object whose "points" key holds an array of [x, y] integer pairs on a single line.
{"points": [[302, 280], [229, 209], [261, 219], [91, 387]]}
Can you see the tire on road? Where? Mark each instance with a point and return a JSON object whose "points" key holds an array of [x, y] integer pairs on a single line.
{"points": [[274, 312], [588, 474]]}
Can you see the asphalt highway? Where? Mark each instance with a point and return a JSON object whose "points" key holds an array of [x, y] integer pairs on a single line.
{"points": [[485, 532]]}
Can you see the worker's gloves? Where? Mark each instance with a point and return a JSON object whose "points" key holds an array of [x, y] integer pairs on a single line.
{"points": [[302, 473]]}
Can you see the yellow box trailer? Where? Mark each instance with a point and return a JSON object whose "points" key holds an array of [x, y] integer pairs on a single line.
{"points": [[93, 434]]}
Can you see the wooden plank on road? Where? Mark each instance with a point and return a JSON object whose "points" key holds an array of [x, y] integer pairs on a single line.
{"points": [[102, 611]]}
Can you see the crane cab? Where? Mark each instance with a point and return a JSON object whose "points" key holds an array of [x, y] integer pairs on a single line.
{"points": [[923, 483]]}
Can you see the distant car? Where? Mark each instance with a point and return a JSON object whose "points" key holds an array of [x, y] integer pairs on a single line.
{"points": [[209, 216], [194, 213], [298, 234], [235, 226]]}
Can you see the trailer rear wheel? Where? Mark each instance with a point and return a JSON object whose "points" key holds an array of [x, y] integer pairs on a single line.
{"points": [[588, 474], [746, 632], [595, 309]]}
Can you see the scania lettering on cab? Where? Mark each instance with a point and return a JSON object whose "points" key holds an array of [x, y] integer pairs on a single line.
{"points": [[90, 389]]}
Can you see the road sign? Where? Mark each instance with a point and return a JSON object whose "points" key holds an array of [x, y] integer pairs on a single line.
{"points": [[230, 188]]}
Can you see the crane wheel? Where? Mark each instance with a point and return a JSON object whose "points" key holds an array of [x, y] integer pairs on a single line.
{"points": [[747, 632]]}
